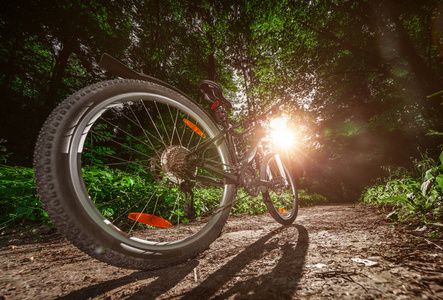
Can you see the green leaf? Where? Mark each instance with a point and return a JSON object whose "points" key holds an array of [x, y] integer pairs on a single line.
{"points": [[428, 174], [426, 186], [395, 199], [24, 211], [439, 180]]}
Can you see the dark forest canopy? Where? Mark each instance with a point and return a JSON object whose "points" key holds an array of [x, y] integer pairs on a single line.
{"points": [[364, 75]]}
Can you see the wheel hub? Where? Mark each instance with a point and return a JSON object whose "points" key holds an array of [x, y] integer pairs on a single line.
{"points": [[177, 165]]}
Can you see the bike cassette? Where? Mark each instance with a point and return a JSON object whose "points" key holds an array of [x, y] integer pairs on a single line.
{"points": [[177, 165]]}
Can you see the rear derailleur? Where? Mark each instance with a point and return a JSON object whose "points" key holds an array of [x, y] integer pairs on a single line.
{"points": [[186, 187]]}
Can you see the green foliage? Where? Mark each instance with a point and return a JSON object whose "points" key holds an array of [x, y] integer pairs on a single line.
{"points": [[256, 205], [248, 205], [18, 197], [417, 194], [306, 199], [116, 192]]}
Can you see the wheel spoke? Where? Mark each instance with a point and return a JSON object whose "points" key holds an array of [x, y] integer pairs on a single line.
{"points": [[127, 133], [174, 126], [161, 119], [155, 126], [144, 131], [124, 145], [122, 161], [139, 126], [144, 208], [184, 131]]}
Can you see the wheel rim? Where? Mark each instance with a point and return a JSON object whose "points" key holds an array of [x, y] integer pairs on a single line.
{"points": [[111, 149], [282, 194]]}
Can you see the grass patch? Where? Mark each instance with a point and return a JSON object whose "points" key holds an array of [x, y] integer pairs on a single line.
{"points": [[411, 195]]}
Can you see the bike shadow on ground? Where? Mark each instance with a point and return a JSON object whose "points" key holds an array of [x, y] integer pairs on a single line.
{"points": [[280, 283], [167, 279]]}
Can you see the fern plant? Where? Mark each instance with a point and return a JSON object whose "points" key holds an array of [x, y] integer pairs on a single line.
{"points": [[418, 194]]}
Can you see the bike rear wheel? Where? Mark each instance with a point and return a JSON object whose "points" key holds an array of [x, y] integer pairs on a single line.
{"points": [[115, 174], [281, 198]]}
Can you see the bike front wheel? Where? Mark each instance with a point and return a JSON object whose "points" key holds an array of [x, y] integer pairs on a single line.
{"points": [[115, 174], [281, 197]]}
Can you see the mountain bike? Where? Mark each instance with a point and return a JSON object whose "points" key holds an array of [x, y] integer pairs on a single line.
{"points": [[137, 174]]}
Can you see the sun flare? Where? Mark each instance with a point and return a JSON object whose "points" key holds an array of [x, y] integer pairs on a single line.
{"points": [[281, 134]]}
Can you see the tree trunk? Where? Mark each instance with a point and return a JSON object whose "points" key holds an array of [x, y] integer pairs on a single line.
{"points": [[248, 100], [211, 59], [427, 80], [57, 74]]}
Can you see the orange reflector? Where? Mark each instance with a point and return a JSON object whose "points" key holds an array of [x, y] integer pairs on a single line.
{"points": [[150, 220], [282, 210], [195, 128]]}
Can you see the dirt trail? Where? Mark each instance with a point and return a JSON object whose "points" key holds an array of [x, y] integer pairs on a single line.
{"points": [[255, 258]]}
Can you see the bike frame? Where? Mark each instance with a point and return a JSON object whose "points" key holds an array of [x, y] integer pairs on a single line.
{"points": [[228, 134]]}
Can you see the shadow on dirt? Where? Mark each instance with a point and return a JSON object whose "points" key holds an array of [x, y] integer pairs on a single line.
{"points": [[280, 283], [167, 279]]}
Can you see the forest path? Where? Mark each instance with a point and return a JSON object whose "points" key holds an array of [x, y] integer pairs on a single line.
{"points": [[254, 258]]}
